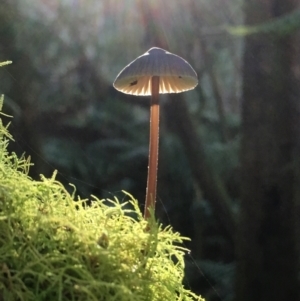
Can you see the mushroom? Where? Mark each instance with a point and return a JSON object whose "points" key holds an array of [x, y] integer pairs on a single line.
{"points": [[156, 71]]}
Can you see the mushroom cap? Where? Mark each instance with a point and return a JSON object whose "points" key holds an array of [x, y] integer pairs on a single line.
{"points": [[175, 74]]}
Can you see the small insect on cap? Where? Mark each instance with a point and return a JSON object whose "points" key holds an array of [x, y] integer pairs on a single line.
{"points": [[175, 74]]}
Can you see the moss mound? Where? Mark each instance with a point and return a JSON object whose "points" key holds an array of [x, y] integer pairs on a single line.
{"points": [[53, 248]]}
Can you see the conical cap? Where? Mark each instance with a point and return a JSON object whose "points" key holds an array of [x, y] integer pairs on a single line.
{"points": [[175, 74]]}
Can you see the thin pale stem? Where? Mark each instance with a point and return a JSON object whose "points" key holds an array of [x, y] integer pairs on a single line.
{"points": [[153, 147]]}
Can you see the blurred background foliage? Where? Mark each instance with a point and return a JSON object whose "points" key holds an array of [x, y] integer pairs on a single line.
{"points": [[67, 116]]}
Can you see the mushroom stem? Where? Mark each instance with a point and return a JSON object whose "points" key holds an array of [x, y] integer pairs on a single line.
{"points": [[153, 147]]}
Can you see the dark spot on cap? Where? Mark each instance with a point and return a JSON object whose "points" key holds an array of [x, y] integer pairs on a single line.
{"points": [[133, 83], [179, 76]]}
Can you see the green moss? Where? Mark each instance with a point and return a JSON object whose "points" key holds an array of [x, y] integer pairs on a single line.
{"points": [[53, 248]]}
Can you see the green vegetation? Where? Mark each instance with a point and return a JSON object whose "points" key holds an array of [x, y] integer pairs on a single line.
{"points": [[280, 27], [5, 63], [53, 248]]}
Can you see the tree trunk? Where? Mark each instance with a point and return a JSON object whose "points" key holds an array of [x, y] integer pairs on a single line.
{"points": [[267, 245], [179, 121]]}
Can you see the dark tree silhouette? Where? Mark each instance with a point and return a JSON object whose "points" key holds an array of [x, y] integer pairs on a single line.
{"points": [[267, 244]]}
